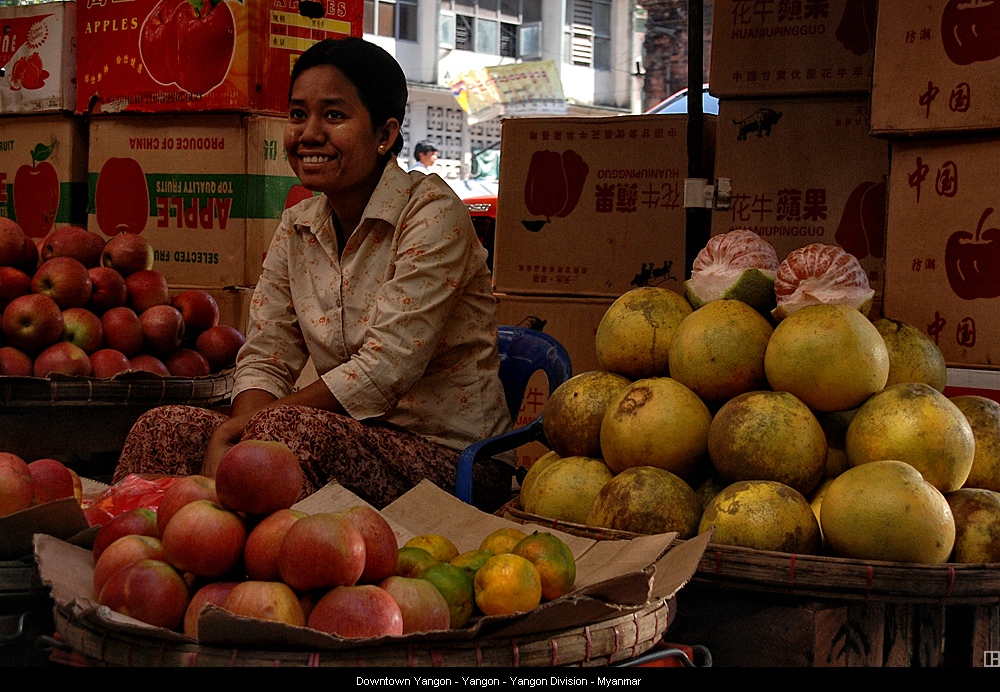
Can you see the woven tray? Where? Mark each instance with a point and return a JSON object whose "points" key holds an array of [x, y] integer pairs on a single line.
{"points": [[132, 388], [605, 642], [820, 576]]}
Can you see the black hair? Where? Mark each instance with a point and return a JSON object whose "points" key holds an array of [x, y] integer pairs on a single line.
{"points": [[376, 75], [424, 147]]}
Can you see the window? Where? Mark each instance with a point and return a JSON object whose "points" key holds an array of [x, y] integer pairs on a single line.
{"points": [[391, 18], [589, 33], [494, 27]]}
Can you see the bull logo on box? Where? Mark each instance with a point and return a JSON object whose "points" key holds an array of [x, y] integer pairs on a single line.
{"points": [[760, 121]]}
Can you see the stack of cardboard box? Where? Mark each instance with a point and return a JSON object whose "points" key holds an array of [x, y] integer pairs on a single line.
{"points": [[793, 138], [935, 96], [177, 132], [588, 209]]}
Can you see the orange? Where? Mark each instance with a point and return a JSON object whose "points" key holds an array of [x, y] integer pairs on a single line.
{"points": [[502, 540], [507, 584], [472, 560], [412, 561], [554, 561], [440, 547], [455, 584]]}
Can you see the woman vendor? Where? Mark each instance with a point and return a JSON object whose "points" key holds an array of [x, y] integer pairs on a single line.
{"points": [[381, 280]]}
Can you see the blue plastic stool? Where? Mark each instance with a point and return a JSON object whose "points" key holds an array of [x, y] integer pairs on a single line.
{"points": [[522, 353]]}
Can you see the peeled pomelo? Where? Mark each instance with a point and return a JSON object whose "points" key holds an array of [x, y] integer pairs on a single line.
{"points": [[819, 274], [739, 265], [913, 357]]}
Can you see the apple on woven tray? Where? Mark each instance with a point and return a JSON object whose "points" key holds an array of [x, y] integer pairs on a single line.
{"points": [[76, 305]]}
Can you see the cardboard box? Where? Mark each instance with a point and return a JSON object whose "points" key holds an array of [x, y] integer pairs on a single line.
{"points": [[573, 323], [239, 57], [805, 170], [781, 48], [38, 54], [936, 67], [206, 190], [613, 578], [43, 172], [943, 246], [592, 206]]}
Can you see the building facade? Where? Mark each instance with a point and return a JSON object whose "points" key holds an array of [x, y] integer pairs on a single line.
{"points": [[592, 43]]}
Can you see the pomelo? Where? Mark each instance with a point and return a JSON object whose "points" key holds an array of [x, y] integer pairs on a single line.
{"points": [[566, 488], [829, 356], [718, 351], [913, 357], [885, 510], [645, 499], [770, 436], [820, 274], [656, 422], [574, 411], [977, 525], [739, 265], [914, 423], [533, 472], [835, 424], [633, 337], [765, 515], [984, 417]]}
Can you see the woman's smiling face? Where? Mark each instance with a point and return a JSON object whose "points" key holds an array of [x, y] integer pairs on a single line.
{"points": [[331, 143]]}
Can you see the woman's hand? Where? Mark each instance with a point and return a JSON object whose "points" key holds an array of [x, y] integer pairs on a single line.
{"points": [[224, 437]]}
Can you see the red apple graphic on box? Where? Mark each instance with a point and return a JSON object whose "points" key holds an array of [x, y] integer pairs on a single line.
{"points": [[28, 73], [972, 261], [36, 194], [121, 198], [189, 43]]}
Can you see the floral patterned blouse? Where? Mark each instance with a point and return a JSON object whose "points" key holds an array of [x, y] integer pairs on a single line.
{"points": [[401, 326]]}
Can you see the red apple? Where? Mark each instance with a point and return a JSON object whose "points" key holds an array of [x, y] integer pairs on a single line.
{"points": [[36, 193], [108, 289], [204, 538], [321, 551], [64, 280], [357, 612], [220, 345], [32, 322], [422, 605], [16, 492], [63, 358], [123, 552], [199, 309], [13, 244], [15, 362], [107, 362], [381, 544], [214, 593], [259, 477], [162, 329], [265, 600], [264, 544], [13, 284], [146, 288], [134, 522], [127, 252], [148, 363], [150, 591], [123, 331], [50, 480], [75, 242], [181, 492], [186, 362], [83, 328]]}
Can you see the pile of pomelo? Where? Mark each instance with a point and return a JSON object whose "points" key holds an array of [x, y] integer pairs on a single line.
{"points": [[766, 404]]}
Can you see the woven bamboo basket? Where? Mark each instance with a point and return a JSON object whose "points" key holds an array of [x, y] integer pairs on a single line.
{"points": [[838, 578], [618, 639]]}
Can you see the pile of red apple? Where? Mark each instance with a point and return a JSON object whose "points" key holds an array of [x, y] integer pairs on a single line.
{"points": [[24, 485], [76, 305], [235, 542]]}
